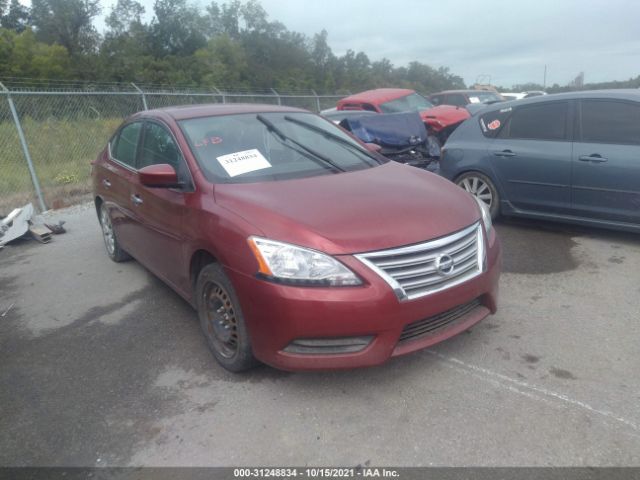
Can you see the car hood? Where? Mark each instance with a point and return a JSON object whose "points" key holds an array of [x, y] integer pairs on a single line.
{"points": [[377, 208], [443, 116]]}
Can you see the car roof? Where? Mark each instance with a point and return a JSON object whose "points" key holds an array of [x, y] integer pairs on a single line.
{"points": [[378, 95], [183, 112], [620, 94]]}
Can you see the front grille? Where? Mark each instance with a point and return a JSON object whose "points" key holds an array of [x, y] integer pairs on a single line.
{"points": [[425, 268], [430, 325]]}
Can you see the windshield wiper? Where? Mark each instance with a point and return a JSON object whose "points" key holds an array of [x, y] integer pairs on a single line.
{"points": [[333, 136], [313, 154]]}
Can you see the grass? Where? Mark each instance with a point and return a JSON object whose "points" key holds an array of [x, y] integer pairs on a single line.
{"points": [[61, 150]]}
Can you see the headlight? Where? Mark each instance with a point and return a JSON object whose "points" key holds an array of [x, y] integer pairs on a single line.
{"points": [[486, 215], [300, 266]]}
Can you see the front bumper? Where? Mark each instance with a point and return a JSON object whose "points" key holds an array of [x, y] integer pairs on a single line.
{"points": [[277, 315]]}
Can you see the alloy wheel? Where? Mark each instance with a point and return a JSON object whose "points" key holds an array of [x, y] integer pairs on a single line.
{"points": [[107, 231], [478, 188]]}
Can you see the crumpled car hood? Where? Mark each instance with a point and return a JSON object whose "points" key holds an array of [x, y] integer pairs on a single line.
{"points": [[443, 116]]}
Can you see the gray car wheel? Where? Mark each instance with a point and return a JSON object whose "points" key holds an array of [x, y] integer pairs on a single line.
{"points": [[221, 320], [115, 252], [482, 187]]}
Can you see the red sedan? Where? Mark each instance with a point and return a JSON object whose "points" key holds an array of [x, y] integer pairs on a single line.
{"points": [[440, 120], [298, 246]]}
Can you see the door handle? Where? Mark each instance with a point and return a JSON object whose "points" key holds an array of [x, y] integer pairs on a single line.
{"points": [[136, 200], [594, 158], [106, 183], [504, 153]]}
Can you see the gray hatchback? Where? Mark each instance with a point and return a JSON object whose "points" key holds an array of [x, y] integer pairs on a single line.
{"points": [[571, 157]]}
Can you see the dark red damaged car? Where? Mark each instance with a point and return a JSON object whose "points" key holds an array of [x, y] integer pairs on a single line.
{"points": [[439, 120], [298, 246]]}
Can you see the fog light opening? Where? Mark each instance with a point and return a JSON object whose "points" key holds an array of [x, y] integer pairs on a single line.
{"points": [[328, 346]]}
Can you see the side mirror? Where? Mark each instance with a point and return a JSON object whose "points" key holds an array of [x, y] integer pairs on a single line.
{"points": [[373, 147], [159, 176]]}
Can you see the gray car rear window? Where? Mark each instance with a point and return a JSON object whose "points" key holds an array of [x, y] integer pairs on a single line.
{"points": [[491, 123], [540, 121]]}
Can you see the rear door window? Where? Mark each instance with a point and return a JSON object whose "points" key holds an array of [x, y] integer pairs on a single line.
{"points": [[607, 121], [492, 123], [125, 144], [436, 99], [457, 100], [542, 121]]}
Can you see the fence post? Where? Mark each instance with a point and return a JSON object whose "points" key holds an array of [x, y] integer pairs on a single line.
{"points": [[277, 95], [224, 99], [25, 148], [317, 100], [144, 99]]}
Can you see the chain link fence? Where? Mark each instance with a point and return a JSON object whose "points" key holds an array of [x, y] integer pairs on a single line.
{"points": [[64, 129]]}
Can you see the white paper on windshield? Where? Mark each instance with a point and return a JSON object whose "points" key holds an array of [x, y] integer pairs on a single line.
{"points": [[474, 99], [243, 162]]}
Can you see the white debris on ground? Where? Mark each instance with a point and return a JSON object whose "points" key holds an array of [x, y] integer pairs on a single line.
{"points": [[16, 224], [22, 221]]}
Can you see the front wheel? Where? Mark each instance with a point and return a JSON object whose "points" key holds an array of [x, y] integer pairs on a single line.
{"points": [[482, 187], [115, 252], [221, 320]]}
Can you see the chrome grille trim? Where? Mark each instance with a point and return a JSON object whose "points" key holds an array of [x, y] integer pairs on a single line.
{"points": [[412, 271]]}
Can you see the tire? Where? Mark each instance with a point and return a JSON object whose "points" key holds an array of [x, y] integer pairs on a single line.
{"points": [[221, 320], [115, 252], [481, 186]]}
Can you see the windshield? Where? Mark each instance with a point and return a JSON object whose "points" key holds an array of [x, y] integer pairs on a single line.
{"points": [[409, 103], [263, 147]]}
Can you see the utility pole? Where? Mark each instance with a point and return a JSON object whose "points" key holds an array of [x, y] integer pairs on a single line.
{"points": [[544, 82]]}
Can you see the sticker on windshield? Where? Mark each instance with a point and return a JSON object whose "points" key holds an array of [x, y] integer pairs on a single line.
{"points": [[243, 162], [208, 141], [474, 99], [494, 125]]}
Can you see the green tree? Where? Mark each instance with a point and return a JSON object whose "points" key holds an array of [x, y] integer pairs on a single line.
{"points": [[177, 29], [67, 23], [525, 87], [230, 18], [226, 44], [124, 16], [21, 55], [14, 17], [222, 63], [254, 17]]}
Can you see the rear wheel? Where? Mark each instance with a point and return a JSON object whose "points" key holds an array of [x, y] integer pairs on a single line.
{"points": [[115, 252], [221, 320], [482, 187]]}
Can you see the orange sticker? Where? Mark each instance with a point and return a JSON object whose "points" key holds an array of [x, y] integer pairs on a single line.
{"points": [[209, 141], [494, 125]]}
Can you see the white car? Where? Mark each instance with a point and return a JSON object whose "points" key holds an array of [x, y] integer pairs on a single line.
{"points": [[521, 95]]}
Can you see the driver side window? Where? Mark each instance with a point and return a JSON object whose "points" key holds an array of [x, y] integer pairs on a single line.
{"points": [[159, 147], [125, 144]]}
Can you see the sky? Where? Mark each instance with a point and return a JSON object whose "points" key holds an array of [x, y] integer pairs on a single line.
{"points": [[503, 42]]}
